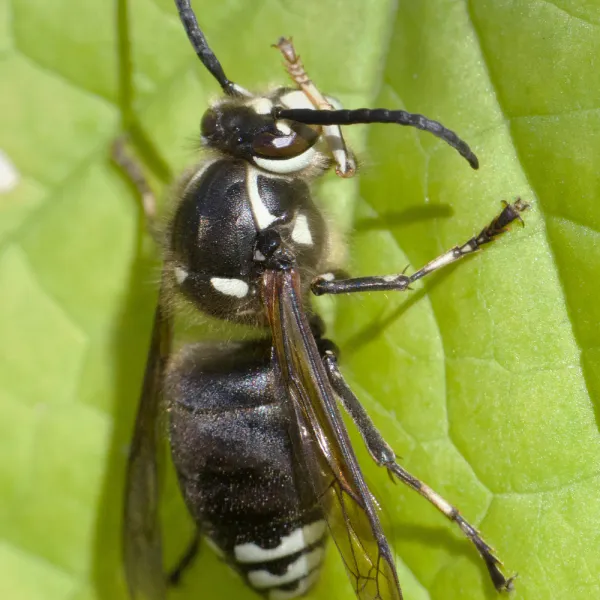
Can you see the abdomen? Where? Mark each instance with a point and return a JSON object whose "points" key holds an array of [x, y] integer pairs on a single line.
{"points": [[232, 445]]}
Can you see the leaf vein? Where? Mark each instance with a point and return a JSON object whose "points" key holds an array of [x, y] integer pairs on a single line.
{"points": [[551, 249], [568, 13]]}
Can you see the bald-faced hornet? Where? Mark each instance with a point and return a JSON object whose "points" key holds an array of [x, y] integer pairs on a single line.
{"points": [[263, 457]]}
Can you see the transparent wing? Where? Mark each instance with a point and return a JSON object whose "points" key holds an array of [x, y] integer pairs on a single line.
{"points": [[141, 530], [350, 508]]}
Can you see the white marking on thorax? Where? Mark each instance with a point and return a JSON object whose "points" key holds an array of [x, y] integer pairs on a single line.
{"points": [[9, 176], [300, 568], [261, 106], [230, 287], [180, 275], [262, 217], [290, 544], [303, 587], [301, 232], [287, 165]]}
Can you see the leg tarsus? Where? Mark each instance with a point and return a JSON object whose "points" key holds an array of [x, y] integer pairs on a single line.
{"points": [[493, 564], [186, 560], [401, 282]]}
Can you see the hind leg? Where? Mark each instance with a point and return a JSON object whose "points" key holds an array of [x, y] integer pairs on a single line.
{"points": [[384, 456], [185, 562]]}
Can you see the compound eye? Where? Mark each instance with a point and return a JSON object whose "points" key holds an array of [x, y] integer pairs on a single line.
{"points": [[209, 125], [282, 145]]}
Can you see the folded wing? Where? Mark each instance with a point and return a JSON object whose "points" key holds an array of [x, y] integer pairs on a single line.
{"points": [[350, 508]]}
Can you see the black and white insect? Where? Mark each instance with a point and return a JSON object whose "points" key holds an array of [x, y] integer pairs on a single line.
{"points": [[263, 457]]}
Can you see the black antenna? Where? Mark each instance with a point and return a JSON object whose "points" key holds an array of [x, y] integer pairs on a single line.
{"points": [[377, 115], [205, 54]]}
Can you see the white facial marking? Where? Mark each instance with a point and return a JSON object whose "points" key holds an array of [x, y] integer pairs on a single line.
{"points": [[303, 587], [288, 165], [9, 176], [283, 127], [327, 276], [290, 544], [230, 287], [334, 102], [258, 255], [262, 106], [298, 569], [297, 99], [332, 133], [262, 217], [301, 232], [180, 275]]}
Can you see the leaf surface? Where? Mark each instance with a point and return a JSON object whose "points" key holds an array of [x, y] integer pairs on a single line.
{"points": [[485, 379]]}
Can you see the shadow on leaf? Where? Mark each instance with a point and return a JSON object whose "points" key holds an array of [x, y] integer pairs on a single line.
{"points": [[404, 218]]}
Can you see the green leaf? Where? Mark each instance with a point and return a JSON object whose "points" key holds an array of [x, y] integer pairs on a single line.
{"points": [[485, 379]]}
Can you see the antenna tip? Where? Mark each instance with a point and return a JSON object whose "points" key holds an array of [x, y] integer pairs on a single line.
{"points": [[473, 161]]}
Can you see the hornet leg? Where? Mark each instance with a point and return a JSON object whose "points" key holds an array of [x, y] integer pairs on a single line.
{"points": [[327, 285], [384, 456], [135, 174], [185, 562]]}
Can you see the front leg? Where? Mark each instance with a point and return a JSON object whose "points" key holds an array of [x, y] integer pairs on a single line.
{"points": [[384, 456], [325, 284], [134, 172]]}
